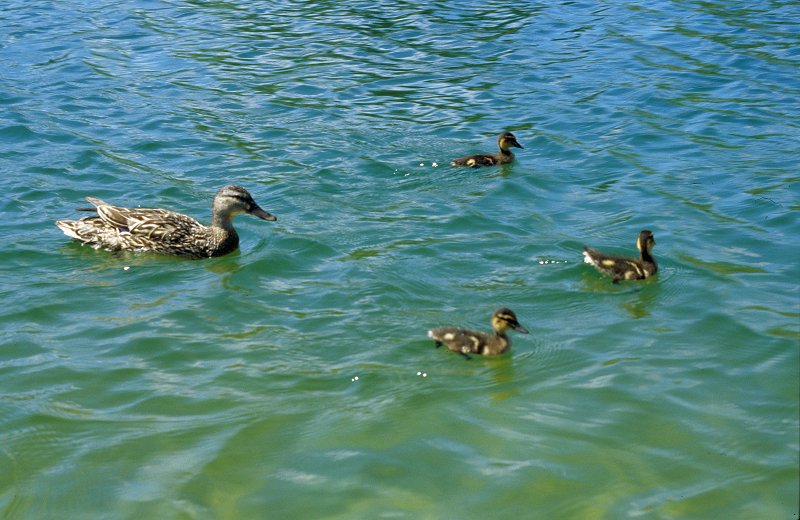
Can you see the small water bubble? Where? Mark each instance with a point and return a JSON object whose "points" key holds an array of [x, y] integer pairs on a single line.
{"points": [[547, 261], [354, 379], [422, 164], [126, 268], [434, 164]]}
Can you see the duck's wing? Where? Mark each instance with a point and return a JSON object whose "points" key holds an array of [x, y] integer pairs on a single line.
{"points": [[153, 223], [458, 340], [475, 161], [617, 267]]}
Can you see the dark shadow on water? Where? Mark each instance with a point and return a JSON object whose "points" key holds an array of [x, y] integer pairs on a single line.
{"points": [[639, 295], [641, 301], [102, 259]]}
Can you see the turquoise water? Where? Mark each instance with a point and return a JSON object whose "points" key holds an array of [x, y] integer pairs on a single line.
{"points": [[293, 378]]}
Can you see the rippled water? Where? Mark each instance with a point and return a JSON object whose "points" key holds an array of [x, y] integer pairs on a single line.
{"points": [[293, 378]]}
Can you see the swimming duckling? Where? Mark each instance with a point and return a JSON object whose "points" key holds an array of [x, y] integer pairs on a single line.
{"points": [[505, 142], [162, 231], [621, 268], [467, 342]]}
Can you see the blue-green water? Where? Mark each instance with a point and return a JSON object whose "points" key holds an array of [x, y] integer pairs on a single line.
{"points": [[293, 378]]}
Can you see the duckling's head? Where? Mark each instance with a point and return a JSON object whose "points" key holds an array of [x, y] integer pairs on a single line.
{"points": [[646, 241], [507, 140], [231, 200], [504, 319]]}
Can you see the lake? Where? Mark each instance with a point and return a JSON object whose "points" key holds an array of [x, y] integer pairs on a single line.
{"points": [[294, 377]]}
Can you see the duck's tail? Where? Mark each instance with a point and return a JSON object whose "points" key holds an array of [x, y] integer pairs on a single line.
{"points": [[68, 227]]}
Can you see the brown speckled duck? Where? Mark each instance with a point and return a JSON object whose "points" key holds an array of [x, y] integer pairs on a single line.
{"points": [[505, 142], [162, 231], [467, 342], [621, 268]]}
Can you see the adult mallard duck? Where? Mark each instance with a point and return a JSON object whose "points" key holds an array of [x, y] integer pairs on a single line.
{"points": [[505, 142], [467, 342], [621, 268], [163, 231]]}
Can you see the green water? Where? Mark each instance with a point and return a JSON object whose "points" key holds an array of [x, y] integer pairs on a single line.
{"points": [[293, 378]]}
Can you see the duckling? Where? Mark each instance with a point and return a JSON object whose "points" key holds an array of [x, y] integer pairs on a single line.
{"points": [[467, 342], [504, 156], [162, 231], [621, 268]]}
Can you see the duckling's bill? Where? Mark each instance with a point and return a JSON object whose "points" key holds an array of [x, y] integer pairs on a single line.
{"points": [[519, 328]]}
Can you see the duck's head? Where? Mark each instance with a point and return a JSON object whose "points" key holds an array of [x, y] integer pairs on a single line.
{"points": [[646, 241], [507, 140], [232, 200], [504, 319]]}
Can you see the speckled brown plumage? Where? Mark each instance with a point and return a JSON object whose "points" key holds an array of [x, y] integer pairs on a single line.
{"points": [[166, 232]]}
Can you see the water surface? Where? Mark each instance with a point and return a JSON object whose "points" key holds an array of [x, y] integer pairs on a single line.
{"points": [[293, 378]]}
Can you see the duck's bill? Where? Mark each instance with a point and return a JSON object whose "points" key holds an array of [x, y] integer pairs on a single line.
{"points": [[519, 328], [516, 144], [260, 213]]}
